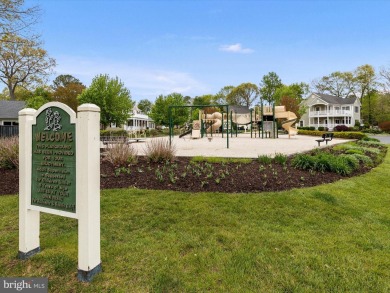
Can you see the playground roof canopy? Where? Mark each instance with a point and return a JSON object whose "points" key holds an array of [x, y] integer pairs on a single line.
{"points": [[240, 109]]}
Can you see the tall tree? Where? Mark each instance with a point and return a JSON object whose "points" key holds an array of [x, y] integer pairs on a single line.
{"points": [[291, 97], [39, 97], [68, 94], [268, 87], [145, 106], [111, 96], [63, 80], [385, 74], [23, 62], [160, 109], [366, 86], [381, 107], [339, 84], [203, 100], [221, 97], [245, 94], [15, 18]]}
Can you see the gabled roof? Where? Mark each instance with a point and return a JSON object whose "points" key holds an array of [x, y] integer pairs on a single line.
{"points": [[10, 109], [239, 109], [336, 100]]}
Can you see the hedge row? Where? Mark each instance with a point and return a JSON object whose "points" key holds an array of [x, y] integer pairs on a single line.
{"points": [[345, 135], [116, 132]]}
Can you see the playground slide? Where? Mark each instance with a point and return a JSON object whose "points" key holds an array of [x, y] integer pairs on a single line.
{"points": [[216, 120], [185, 133], [290, 120], [241, 119]]}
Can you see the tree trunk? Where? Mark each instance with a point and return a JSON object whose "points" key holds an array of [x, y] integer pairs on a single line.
{"points": [[11, 92]]}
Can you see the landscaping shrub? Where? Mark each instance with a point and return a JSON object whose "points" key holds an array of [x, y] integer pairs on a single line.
{"points": [[372, 142], [367, 138], [307, 128], [321, 128], [304, 162], [264, 159], [366, 160], [120, 155], [355, 151], [112, 132], [340, 165], [345, 135], [280, 158], [372, 131], [351, 160], [9, 152], [159, 150], [322, 162], [341, 128], [152, 133], [385, 126], [218, 160]]}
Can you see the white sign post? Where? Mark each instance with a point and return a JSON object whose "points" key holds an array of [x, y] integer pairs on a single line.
{"points": [[59, 173]]}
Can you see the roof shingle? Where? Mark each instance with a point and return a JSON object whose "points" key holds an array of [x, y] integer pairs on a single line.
{"points": [[10, 109]]}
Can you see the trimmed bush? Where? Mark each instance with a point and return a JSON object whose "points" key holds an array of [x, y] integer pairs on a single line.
{"points": [[341, 128], [159, 150], [307, 128], [344, 135], [116, 132]]}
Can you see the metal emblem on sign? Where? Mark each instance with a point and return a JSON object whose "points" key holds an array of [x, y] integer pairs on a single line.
{"points": [[52, 120]]}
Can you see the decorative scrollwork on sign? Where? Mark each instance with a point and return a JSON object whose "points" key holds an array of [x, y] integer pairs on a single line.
{"points": [[52, 120]]}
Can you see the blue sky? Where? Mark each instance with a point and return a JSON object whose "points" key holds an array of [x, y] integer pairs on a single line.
{"points": [[197, 47]]}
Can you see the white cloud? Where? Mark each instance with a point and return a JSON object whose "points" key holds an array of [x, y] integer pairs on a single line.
{"points": [[143, 82], [235, 48]]}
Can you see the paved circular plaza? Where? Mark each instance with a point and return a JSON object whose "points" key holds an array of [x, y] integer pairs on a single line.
{"points": [[242, 146]]}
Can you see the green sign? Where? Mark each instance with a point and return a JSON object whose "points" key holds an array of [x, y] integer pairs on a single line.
{"points": [[53, 178]]}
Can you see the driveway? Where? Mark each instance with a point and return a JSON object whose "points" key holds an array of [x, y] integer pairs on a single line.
{"points": [[384, 138]]}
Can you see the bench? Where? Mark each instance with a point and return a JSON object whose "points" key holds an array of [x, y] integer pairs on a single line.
{"points": [[325, 137]]}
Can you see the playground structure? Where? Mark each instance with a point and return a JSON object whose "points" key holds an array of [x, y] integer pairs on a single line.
{"points": [[261, 120]]}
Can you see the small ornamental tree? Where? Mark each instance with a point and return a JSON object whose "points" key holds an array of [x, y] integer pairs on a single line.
{"points": [[111, 96]]}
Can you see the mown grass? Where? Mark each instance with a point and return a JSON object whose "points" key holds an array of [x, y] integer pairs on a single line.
{"points": [[333, 237]]}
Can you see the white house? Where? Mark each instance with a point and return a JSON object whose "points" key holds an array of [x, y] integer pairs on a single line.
{"points": [[139, 121], [329, 111]]}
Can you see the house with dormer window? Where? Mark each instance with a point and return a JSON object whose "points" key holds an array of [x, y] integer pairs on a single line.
{"points": [[329, 111], [139, 121]]}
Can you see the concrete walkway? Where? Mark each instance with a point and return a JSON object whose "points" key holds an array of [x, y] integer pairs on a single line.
{"points": [[242, 146]]}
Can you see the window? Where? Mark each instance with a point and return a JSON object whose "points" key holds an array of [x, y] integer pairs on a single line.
{"points": [[7, 123], [356, 109], [337, 121], [301, 123], [317, 109]]}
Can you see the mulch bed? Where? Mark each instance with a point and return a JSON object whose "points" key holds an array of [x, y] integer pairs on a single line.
{"points": [[181, 175]]}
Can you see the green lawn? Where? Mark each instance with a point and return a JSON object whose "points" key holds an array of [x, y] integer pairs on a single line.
{"points": [[334, 237]]}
